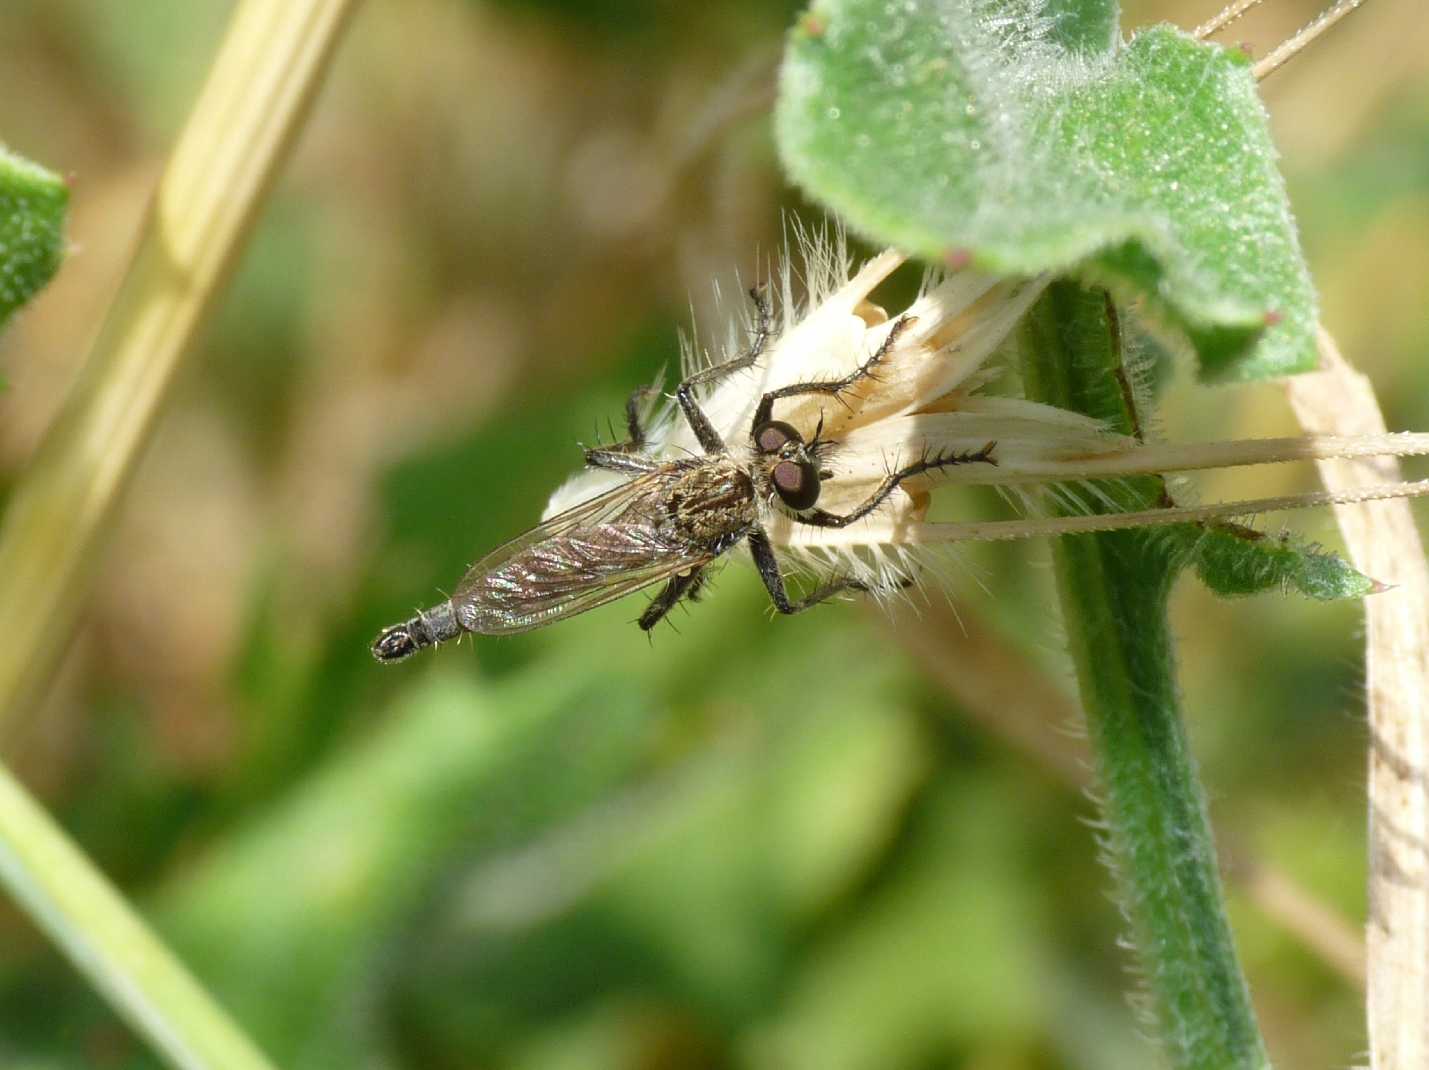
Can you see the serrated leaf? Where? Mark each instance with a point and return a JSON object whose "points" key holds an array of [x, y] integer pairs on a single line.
{"points": [[32, 215], [1071, 355], [990, 130], [1231, 560]]}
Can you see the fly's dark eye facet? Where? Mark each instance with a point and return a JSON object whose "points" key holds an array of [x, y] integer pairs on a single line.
{"points": [[774, 435], [796, 483]]}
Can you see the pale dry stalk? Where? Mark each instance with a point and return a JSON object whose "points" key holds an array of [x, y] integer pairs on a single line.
{"points": [[1383, 542], [231, 148], [270, 66]]}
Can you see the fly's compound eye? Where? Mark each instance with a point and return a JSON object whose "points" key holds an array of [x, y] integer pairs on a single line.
{"points": [[774, 435], [796, 483]]}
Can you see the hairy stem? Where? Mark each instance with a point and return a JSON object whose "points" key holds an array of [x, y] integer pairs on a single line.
{"points": [[1114, 589]]}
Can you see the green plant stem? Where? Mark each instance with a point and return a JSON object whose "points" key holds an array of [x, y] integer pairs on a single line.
{"points": [[81, 911], [1113, 590]]}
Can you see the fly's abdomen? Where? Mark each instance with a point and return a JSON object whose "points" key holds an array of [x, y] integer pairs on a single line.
{"points": [[427, 628], [563, 575]]}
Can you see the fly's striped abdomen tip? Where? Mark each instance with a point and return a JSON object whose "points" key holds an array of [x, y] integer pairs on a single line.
{"points": [[427, 628], [395, 644]]}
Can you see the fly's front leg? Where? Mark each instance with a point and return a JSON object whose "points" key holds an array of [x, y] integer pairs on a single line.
{"points": [[686, 585], [768, 566], [700, 424], [822, 519], [834, 387], [626, 456]]}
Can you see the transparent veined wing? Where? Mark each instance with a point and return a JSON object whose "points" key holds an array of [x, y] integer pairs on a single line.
{"points": [[593, 553]]}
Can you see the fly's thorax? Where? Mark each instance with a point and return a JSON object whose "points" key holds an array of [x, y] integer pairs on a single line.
{"points": [[710, 501]]}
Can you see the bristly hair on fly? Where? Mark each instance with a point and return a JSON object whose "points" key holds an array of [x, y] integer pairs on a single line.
{"points": [[924, 399]]}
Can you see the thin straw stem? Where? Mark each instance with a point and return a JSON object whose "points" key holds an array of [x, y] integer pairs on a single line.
{"points": [[251, 108], [995, 530], [1157, 458], [1288, 48], [1227, 15]]}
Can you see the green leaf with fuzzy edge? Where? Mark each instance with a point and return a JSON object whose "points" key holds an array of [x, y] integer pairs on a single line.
{"points": [[32, 216], [995, 131], [1083, 25], [1233, 560]]}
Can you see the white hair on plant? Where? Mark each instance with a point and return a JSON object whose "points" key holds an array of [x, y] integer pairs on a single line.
{"points": [[924, 399]]}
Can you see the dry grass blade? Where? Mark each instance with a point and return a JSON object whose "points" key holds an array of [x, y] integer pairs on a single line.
{"points": [[1227, 15], [1287, 49], [225, 160], [1383, 542]]}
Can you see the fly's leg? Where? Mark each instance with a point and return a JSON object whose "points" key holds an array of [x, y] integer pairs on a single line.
{"points": [[633, 426], [822, 519], [833, 387], [699, 423], [626, 456], [768, 566], [686, 585], [615, 460]]}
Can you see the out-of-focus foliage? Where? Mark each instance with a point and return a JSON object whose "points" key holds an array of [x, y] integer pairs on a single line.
{"points": [[754, 842], [32, 210]]}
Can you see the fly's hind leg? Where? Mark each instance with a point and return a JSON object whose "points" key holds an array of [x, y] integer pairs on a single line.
{"points": [[686, 585], [700, 424]]}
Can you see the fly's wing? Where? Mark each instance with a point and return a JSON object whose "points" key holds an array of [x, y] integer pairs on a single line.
{"points": [[591, 554]]}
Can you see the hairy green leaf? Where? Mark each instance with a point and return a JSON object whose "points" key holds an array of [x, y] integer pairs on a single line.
{"points": [[1235, 560], [32, 214], [1024, 137]]}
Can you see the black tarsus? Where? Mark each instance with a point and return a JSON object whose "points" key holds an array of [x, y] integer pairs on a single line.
{"points": [[626, 456], [633, 404], [768, 565], [700, 424], [821, 519]]}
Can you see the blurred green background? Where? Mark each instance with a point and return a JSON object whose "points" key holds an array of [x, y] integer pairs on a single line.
{"points": [[833, 841]]}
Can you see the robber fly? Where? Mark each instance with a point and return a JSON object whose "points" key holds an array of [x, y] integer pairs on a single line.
{"points": [[668, 522]]}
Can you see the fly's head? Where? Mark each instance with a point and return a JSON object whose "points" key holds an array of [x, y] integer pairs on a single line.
{"points": [[787, 465]]}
